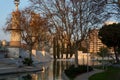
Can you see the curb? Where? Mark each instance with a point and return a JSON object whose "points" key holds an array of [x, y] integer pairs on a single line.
{"points": [[20, 70]]}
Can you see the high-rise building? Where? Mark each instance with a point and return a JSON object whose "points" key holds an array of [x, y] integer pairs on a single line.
{"points": [[94, 42]]}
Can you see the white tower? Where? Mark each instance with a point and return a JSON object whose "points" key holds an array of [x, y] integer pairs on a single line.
{"points": [[15, 29]]}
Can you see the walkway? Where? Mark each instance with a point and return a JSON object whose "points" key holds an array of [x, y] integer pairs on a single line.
{"points": [[85, 76], [12, 68]]}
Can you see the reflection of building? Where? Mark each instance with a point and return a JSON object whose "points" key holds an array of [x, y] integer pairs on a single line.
{"points": [[94, 42], [34, 76], [85, 59]]}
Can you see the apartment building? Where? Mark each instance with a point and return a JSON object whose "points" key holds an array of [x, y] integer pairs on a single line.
{"points": [[94, 42]]}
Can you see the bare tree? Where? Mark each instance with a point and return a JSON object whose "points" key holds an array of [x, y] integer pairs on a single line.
{"points": [[113, 9], [74, 17]]}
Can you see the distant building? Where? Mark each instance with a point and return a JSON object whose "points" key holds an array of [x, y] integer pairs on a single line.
{"points": [[94, 42]]}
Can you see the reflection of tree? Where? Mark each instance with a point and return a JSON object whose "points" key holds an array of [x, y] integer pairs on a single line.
{"points": [[27, 77], [59, 67], [54, 69], [62, 64], [43, 75]]}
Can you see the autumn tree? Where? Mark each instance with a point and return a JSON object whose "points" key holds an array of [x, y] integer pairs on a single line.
{"points": [[109, 35], [71, 19], [33, 29]]}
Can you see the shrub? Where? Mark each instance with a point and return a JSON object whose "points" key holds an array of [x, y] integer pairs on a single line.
{"points": [[27, 77], [27, 61], [73, 71]]}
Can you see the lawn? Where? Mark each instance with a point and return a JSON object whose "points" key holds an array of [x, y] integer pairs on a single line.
{"points": [[111, 73]]}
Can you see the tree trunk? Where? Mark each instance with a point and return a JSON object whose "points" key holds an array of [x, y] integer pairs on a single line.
{"points": [[31, 55], [76, 58], [116, 55], [66, 52], [30, 52], [71, 52], [62, 50], [58, 50], [54, 48]]}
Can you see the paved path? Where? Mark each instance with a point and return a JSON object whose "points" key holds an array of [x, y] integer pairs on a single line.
{"points": [[85, 76], [12, 68]]}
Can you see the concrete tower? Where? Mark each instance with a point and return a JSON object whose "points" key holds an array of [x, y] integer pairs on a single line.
{"points": [[15, 29]]}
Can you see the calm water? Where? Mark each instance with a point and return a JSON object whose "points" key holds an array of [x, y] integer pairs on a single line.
{"points": [[51, 71]]}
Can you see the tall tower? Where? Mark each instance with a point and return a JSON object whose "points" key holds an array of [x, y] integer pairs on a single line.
{"points": [[15, 29]]}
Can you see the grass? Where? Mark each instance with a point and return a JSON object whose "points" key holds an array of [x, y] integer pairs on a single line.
{"points": [[111, 73], [110, 61]]}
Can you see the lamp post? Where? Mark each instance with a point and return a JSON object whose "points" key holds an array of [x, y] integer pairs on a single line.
{"points": [[4, 44]]}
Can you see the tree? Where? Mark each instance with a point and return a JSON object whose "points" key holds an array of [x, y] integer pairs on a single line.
{"points": [[32, 29], [109, 35], [103, 52], [113, 9], [71, 19], [35, 29]]}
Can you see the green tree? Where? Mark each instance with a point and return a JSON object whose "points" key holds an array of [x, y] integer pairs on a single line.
{"points": [[110, 36], [103, 52]]}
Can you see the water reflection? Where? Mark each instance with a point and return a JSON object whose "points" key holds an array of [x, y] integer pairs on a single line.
{"points": [[52, 71], [58, 68], [27, 77]]}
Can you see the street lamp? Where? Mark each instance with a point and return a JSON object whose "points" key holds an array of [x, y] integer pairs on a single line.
{"points": [[4, 44]]}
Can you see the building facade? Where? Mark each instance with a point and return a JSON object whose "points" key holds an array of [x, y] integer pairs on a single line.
{"points": [[94, 42]]}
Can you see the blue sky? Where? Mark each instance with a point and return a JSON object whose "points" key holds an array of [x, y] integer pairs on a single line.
{"points": [[6, 7]]}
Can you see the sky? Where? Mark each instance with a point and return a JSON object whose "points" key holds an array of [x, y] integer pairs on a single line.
{"points": [[6, 7]]}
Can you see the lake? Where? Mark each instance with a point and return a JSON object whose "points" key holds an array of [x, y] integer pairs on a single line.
{"points": [[51, 71]]}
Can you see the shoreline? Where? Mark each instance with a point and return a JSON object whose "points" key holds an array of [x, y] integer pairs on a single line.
{"points": [[15, 70]]}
